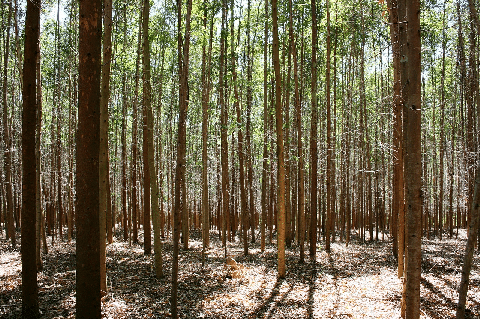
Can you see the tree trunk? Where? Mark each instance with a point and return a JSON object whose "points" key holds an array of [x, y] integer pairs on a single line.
{"points": [[88, 140], [206, 64], [7, 139], [29, 184], [313, 140], [470, 247], [329, 137], [183, 61], [224, 127], [413, 162], [103, 161], [157, 243], [265, 134], [38, 183], [135, 189], [280, 147]]}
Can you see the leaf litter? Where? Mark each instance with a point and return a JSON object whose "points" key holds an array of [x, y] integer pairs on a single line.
{"points": [[355, 281]]}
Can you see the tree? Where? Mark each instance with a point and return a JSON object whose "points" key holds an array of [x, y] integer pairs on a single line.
{"points": [[313, 140], [413, 162], [473, 225], [224, 128], [103, 161], [280, 146], [29, 186], [7, 140], [88, 152], [183, 47], [157, 243]]}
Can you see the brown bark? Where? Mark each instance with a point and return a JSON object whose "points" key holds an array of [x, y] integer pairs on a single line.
{"points": [[413, 162], [280, 147], [152, 173], [134, 168], [29, 185], [313, 139], [103, 161], [264, 199], [88, 140], [7, 140], [224, 128], [180, 202], [329, 137]]}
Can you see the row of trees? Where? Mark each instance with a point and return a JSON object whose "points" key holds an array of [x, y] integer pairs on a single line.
{"points": [[187, 102]]}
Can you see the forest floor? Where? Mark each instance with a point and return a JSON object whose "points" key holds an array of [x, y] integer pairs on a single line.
{"points": [[358, 281]]}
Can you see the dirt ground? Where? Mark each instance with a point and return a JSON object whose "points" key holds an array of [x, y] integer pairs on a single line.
{"points": [[358, 281]]}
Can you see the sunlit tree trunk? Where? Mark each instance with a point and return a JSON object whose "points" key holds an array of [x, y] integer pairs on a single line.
{"points": [[153, 184], [183, 61], [265, 132], [413, 162], [7, 139]]}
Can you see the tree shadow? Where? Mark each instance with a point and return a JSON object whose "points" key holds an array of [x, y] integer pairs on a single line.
{"points": [[311, 290], [263, 308]]}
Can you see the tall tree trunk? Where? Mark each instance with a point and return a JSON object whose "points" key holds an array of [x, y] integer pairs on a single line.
{"points": [[103, 161], [157, 243], [265, 133], [413, 162], [180, 202], [124, 137], [301, 163], [134, 168], [29, 185], [280, 147], [313, 139], [38, 183], [241, 148], [224, 127], [88, 151], [7, 138], [248, 145], [206, 64], [329, 137]]}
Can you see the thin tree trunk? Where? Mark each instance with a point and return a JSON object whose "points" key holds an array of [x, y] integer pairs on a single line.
{"points": [[180, 202], [134, 172], [38, 183], [265, 132], [329, 137], [313, 140], [469, 249], [157, 243], [224, 128], [280, 147], [7, 138], [103, 162]]}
